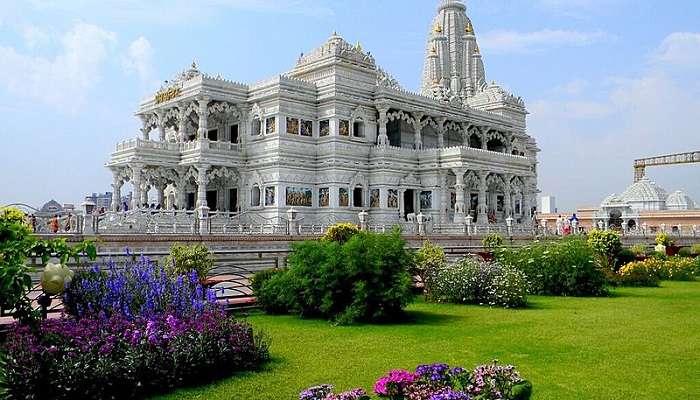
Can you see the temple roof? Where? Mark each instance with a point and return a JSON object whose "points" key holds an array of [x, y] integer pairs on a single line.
{"points": [[336, 46], [679, 200]]}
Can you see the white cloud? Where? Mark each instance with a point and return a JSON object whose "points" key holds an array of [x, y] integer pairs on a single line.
{"points": [[580, 9], [575, 87], [34, 36], [588, 146], [139, 58], [681, 49], [64, 80], [526, 42]]}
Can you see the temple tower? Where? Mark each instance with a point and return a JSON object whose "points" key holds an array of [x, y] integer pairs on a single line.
{"points": [[452, 62]]}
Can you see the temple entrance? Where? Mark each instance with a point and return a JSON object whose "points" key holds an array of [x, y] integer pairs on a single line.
{"points": [[393, 131], [190, 201], [233, 200], [408, 204], [615, 220], [212, 200]]}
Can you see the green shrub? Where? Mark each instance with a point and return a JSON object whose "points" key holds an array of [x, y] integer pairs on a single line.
{"points": [[695, 250], [606, 244], [185, 259], [685, 252], [363, 279], [260, 277], [664, 239], [341, 233], [639, 249], [492, 241], [475, 282], [429, 258], [561, 268]]}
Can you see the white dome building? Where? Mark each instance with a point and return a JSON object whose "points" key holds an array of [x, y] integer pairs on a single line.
{"points": [[679, 201], [645, 195]]}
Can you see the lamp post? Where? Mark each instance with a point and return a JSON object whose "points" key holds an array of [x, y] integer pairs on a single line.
{"points": [[54, 279], [509, 224]]}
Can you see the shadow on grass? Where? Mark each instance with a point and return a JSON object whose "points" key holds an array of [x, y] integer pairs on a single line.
{"points": [[417, 317]]}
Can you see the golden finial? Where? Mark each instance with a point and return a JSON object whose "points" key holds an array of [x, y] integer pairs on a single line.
{"points": [[469, 28], [194, 64], [358, 46], [476, 49], [438, 28], [433, 50]]}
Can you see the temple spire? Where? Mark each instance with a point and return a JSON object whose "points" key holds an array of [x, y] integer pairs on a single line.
{"points": [[458, 67]]}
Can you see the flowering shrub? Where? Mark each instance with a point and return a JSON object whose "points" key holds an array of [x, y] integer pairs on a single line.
{"points": [[664, 239], [325, 392], [341, 233], [429, 258], [493, 241], [182, 260], [439, 382], [561, 268], [363, 279], [650, 271], [138, 289], [607, 244], [115, 357], [476, 282]]}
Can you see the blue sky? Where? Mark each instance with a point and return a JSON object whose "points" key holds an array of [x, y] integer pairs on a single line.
{"points": [[606, 81]]}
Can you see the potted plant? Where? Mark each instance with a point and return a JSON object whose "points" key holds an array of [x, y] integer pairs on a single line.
{"points": [[665, 244]]}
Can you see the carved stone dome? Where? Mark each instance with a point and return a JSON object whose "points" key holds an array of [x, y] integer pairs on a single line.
{"points": [[679, 201], [645, 195]]}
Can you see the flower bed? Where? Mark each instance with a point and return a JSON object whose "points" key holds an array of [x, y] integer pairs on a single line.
{"points": [[131, 332], [113, 357], [475, 282], [437, 382], [650, 271], [560, 268]]}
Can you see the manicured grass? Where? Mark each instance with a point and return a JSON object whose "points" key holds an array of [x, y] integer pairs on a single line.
{"points": [[638, 344]]}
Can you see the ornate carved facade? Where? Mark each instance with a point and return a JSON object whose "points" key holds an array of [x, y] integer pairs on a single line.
{"points": [[337, 135]]}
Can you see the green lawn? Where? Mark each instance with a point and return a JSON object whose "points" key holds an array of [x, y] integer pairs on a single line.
{"points": [[638, 344]]}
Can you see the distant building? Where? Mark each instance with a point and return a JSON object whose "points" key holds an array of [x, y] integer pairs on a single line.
{"points": [[549, 205], [52, 207], [104, 200], [644, 206]]}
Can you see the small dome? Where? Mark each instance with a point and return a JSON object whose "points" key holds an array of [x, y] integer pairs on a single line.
{"points": [[645, 195], [679, 201], [612, 200]]}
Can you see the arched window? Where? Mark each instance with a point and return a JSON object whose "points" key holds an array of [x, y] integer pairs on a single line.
{"points": [[495, 145], [474, 141], [256, 127], [358, 128], [255, 196]]}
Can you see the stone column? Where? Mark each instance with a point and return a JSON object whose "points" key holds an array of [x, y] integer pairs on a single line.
{"points": [[202, 185], [402, 206], [507, 200], [145, 130], [161, 125], [116, 192], [181, 195], [161, 196], [417, 127], [482, 217], [181, 123], [465, 135], [484, 142], [383, 139], [144, 193], [203, 118], [441, 131], [459, 190], [444, 197], [136, 183], [527, 205]]}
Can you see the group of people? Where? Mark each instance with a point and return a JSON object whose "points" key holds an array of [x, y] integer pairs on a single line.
{"points": [[566, 226]]}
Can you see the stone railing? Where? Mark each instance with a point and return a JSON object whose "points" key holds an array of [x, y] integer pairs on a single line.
{"points": [[449, 151], [146, 144]]}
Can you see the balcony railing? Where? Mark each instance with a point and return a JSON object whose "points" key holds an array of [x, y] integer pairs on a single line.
{"points": [[137, 143]]}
